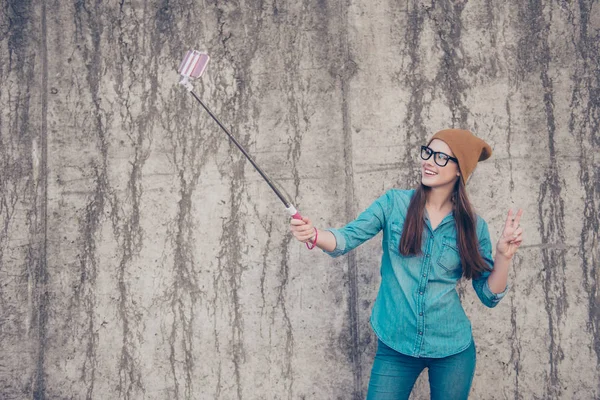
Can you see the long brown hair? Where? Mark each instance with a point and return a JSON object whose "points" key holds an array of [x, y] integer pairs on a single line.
{"points": [[466, 228]]}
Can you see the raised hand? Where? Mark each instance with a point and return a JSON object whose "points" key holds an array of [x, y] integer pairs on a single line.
{"points": [[512, 235]]}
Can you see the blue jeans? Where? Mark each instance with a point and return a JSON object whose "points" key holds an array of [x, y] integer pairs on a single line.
{"points": [[394, 374]]}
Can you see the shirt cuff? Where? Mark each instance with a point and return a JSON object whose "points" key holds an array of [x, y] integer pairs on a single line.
{"points": [[340, 243], [494, 297]]}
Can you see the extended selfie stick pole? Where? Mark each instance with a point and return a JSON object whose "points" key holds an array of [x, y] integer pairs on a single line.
{"points": [[285, 202], [193, 66]]}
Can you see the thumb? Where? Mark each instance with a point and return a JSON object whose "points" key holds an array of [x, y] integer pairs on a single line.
{"points": [[306, 220]]}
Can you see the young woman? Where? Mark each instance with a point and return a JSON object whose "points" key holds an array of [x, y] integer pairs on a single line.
{"points": [[431, 238]]}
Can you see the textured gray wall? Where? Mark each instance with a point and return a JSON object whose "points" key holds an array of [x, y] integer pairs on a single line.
{"points": [[142, 257]]}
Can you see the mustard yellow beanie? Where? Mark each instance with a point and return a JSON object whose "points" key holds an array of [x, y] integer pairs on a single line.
{"points": [[467, 148]]}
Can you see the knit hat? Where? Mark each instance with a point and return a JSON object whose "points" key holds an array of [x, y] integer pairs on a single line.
{"points": [[467, 148]]}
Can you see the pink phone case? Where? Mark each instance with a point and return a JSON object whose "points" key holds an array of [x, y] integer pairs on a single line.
{"points": [[194, 64]]}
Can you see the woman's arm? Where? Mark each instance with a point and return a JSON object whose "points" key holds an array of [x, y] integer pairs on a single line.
{"points": [[491, 287], [499, 275], [337, 242]]}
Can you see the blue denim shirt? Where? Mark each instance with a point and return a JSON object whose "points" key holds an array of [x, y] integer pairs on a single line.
{"points": [[417, 311]]}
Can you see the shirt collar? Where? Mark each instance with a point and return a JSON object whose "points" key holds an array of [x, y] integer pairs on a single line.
{"points": [[449, 217]]}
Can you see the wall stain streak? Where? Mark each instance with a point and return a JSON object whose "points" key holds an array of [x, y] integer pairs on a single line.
{"points": [[185, 290], [509, 133], [23, 200], [22, 203], [491, 13], [263, 274], [534, 48], [515, 341], [190, 147], [85, 288], [298, 122], [189, 155], [126, 222], [446, 16], [415, 130], [42, 262], [219, 367], [230, 258], [584, 124], [347, 70]]}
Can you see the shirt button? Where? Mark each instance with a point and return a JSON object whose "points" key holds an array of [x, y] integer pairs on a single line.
{"points": [[421, 313], [424, 275], [420, 333], [426, 255], [421, 293]]}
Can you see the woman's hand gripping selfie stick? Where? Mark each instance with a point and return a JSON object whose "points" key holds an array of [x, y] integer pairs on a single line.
{"points": [[192, 67]]}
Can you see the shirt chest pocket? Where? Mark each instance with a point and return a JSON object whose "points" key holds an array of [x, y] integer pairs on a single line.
{"points": [[395, 236], [449, 259]]}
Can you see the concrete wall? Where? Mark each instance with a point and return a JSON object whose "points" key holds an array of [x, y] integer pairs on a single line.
{"points": [[142, 257]]}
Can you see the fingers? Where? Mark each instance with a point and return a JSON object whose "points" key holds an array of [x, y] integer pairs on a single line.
{"points": [[509, 220], [303, 230], [297, 222], [512, 236], [302, 227], [517, 238], [512, 220], [305, 235], [516, 235], [303, 221], [518, 217]]}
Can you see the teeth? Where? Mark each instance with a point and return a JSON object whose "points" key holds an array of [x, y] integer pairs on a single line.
{"points": [[429, 172]]}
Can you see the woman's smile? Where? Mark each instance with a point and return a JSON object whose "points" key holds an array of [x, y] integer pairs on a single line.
{"points": [[429, 172]]}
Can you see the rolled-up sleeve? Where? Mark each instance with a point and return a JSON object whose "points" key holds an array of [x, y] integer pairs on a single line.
{"points": [[363, 228], [481, 286]]}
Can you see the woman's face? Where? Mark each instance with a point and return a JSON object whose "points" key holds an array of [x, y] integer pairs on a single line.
{"points": [[432, 174]]}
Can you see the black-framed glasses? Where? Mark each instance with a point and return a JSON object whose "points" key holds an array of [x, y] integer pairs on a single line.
{"points": [[440, 158]]}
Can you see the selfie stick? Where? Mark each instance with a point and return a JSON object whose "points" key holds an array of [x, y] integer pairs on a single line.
{"points": [[192, 67]]}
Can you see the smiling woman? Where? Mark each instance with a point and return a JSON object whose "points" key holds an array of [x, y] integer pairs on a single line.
{"points": [[442, 176], [432, 238]]}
